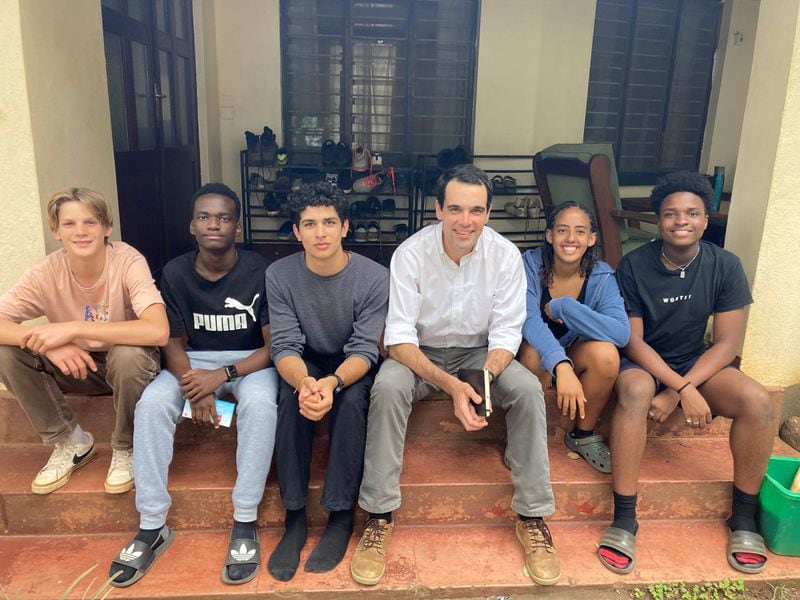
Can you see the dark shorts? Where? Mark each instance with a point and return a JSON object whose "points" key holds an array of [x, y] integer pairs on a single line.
{"points": [[626, 363]]}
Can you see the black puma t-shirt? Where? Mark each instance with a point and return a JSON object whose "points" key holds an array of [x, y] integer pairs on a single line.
{"points": [[227, 314], [674, 310]]}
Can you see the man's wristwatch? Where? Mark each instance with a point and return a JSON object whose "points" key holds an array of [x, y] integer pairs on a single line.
{"points": [[339, 382], [230, 372]]}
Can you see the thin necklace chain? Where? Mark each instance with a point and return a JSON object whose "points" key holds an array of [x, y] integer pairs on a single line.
{"points": [[684, 267]]}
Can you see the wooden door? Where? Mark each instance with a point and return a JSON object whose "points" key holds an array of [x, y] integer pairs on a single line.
{"points": [[149, 47]]}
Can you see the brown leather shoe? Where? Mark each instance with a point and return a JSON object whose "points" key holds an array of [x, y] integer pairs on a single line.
{"points": [[369, 559], [541, 561]]}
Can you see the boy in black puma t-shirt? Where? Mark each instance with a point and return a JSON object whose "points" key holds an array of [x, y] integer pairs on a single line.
{"points": [[671, 287]]}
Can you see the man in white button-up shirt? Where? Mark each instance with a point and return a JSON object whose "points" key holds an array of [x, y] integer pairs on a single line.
{"points": [[457, 300]]}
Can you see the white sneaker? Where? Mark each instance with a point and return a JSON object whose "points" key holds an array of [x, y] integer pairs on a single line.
{"points": [[120, 474], [64, 459]]}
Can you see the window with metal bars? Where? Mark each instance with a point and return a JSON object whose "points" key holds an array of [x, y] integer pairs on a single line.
{"points": [[650, 82], [395, 75]]}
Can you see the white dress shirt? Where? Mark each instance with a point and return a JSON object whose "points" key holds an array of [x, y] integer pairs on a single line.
{"points": [[437, 303]]}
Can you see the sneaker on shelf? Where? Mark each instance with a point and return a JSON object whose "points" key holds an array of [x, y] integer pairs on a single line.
{"points": [[366, 184], [377, 159], [509, 185], [119, 478], [327, 150], [253, 149], [388, 207], [369, 559], [357, 209], [62, 462], [534, 208], [342, 155], [518, 207], [446, 159], [373, 232], [282, 156], [282, 187], [400, 232], [497, 185], [257, 183], [373, 205], [297, 183], [460, 155], [345, 182], [361, 233], [332, 178], [269, 147], [271, 205], [285, 231], [541, 561], [389, 185], [362, 160]]}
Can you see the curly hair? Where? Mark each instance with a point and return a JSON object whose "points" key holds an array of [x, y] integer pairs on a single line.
{"points": [[319, 193], [588, 259], [218, 189], [682, 181]]}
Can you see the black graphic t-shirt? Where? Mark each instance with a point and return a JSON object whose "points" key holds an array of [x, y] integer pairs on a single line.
{"points": [[674, 310], [227, 314]]}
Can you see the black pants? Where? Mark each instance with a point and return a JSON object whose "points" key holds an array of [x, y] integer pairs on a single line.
{"points": [[347, 432]]}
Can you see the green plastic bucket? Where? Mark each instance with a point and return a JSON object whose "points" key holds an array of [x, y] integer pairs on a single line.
{"points": [[779, 515]]}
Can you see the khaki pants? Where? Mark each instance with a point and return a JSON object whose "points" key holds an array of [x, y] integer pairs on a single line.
{"points": [[123, 371]]}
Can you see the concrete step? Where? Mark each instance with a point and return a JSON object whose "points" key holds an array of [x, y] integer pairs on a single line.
{"points": [[457, 481], [423, 562], [431, 418]]}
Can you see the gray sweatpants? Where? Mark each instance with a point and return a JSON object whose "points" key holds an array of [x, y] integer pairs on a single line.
{"points": [[516, 390], [158, 412]]}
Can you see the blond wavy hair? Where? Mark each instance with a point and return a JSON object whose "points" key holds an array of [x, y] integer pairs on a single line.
{"points": [[92, 199]]}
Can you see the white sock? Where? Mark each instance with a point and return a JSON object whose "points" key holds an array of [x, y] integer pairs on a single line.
{"points": [[78, 436]]}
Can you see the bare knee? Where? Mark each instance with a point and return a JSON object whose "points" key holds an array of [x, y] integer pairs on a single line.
{"points": [[756, 405], [635, 391], [601, 359]]}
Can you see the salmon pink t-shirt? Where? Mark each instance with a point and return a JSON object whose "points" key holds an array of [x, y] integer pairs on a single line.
{"points": [[122, 293]]}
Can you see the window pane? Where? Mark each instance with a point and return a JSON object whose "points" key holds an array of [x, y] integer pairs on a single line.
{"points": [[179, 13], [166, 99], [137, 9], [116, 91], [143, 90], [162, 19]]}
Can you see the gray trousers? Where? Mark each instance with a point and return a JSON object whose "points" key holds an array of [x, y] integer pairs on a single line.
{"points": [[123, 371], [158, 413], [516, 390]]}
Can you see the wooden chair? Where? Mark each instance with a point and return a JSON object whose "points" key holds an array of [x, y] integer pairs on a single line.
{"points": [[585, 173]]}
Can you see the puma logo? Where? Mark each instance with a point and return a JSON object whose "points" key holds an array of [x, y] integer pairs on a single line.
{"points": [[234, 303]]}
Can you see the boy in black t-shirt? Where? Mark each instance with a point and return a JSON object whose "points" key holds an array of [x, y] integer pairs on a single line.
{"points": [[671, 286], [218, 345]]}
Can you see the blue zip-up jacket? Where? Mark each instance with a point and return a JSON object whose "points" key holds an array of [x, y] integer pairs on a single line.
{"points": [[602, 318]]}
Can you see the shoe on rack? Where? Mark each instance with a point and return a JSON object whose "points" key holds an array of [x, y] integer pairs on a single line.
{"points": [[389, 185], [534, 208], [357, 209], [497, 184], [342, 156], [366, 184], [541, 561], [328, 148], [271, 205], [509, 185], [62, 462], [282, 156], [461, 155], [446, 159], [373, 232], [388, 207], [269, 147], [345, 182], [377, 159], [400, 232], [361, 234], [332, 178], [373, 205], [518, 208], [297, 183], [257, 183], [369, 559], [285, 231], [362, 160], [119, 478], [253, 149], [282, 187]]}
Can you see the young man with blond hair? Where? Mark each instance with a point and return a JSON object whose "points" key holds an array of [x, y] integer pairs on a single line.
{"points": [[106, 318]]}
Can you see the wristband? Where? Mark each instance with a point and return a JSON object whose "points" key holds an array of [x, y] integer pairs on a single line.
{"points": [[230, 372], [684, 386]]}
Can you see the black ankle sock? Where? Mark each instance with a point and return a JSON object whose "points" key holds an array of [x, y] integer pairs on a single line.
{"points": [[286, 556], [149, 537], [524, 518], [625, 512], [743, 507], [578, 433], [385, 516], [242, 531], [333, 544]]}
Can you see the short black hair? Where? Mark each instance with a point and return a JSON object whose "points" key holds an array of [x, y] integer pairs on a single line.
{"points": [[682, 181], [218, 189], [319, 193], [464, 174]]}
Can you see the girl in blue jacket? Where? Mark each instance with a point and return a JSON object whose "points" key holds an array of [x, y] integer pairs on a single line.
{"points": [[575, 322]]}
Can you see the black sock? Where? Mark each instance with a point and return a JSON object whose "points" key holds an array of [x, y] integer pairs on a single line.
{"points": [[385, 516], [578, 433], [242, 531], [524, 518], [286, 556], [149, 537], [333, 544], [625, 512], [743, 517]]}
